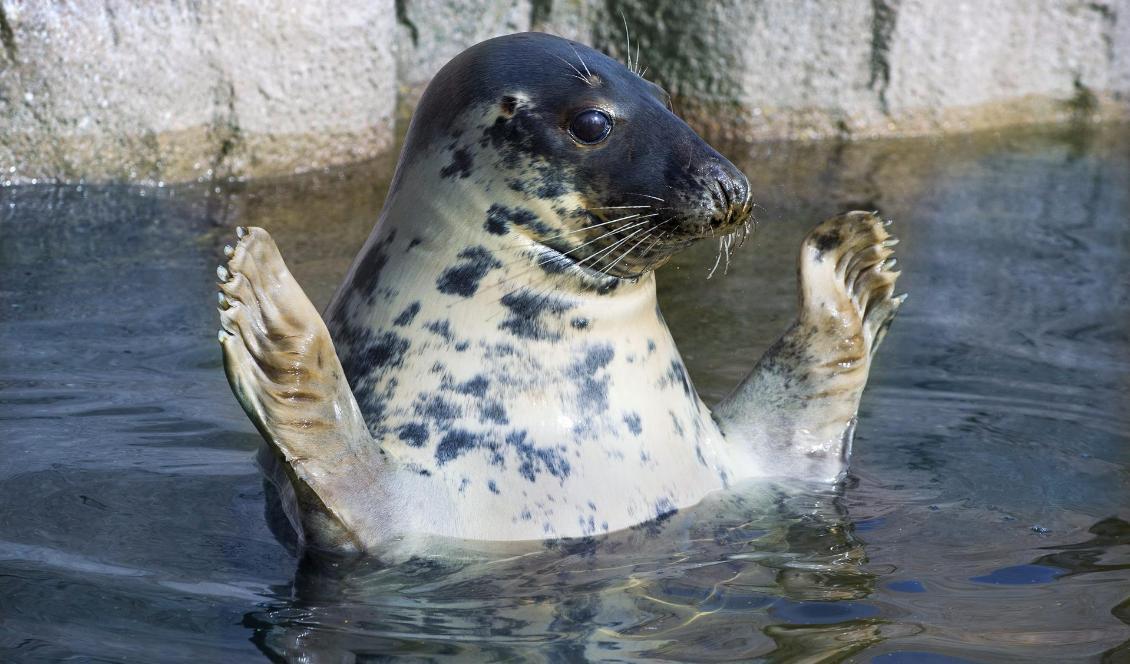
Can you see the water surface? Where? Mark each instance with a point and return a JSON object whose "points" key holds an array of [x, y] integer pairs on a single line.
{"points": [[987, 518]]}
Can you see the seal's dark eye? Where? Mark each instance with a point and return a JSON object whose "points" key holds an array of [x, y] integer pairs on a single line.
{"points": [[591, 126]]}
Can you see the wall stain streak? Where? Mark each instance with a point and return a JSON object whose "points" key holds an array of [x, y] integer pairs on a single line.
{"points": [[883, 18]]}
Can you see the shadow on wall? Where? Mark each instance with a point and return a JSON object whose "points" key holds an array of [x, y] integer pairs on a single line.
{"points": [[130, 91]]}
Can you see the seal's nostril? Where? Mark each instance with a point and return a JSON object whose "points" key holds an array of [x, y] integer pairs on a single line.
{"points": [[727, 200], [717, 194], [740, 196], [735, 199]]}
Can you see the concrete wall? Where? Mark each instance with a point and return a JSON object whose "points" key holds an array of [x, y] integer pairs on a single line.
{"points": [[782, 69], [174, 91], [150, 91]]}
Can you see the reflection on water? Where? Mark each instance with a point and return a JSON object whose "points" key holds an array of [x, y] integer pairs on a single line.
{"points": [[706, 582], [986, 519]]}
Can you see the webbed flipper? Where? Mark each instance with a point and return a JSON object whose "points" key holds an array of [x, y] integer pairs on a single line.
{"points": [[281, 364], [794, 415]]}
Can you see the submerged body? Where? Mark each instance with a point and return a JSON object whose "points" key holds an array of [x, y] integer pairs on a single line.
{"points": [[495, 365]]}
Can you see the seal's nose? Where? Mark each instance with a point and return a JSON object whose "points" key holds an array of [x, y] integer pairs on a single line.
{"points": [[732, 195]]}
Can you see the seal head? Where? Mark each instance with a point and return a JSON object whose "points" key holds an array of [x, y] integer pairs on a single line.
{"points": [[574, 131]]}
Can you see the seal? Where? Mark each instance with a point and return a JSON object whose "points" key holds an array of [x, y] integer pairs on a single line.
{"points": [[495, 365]]}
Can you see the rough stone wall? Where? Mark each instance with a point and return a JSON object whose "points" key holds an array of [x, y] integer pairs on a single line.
{"points": [[778, 69], [174, 91], [993, 58], [151, 91]]}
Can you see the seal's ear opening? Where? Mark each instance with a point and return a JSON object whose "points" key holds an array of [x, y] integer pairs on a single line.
{"points": [[508, 105]]}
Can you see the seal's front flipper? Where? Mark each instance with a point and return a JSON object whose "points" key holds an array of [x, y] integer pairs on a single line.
{"points": [[794, 415], [281, 364]]}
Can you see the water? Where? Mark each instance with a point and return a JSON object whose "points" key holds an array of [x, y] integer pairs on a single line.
{"points": [[987, 518]]}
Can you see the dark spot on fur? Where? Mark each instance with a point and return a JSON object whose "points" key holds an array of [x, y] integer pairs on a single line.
{"points": [[518, 137], [441, 328], [493, 486], [551, 187], [583, 429], [678, 425], [476, 387], [414, 243], [438, 410], [495, 224], [413, 433], [386, 350], [462, 346], [579, 323], [537, 459], [826, 240], [532, 460], [650, 345], [406, 316], [463, 279], [541, 180], [596, 357], [677, 375], [461, 163], [500, 217], [592, 392], [526, 311], [493, 412], [634, 423], [366, 358], [456, 443], [587, 524]]}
